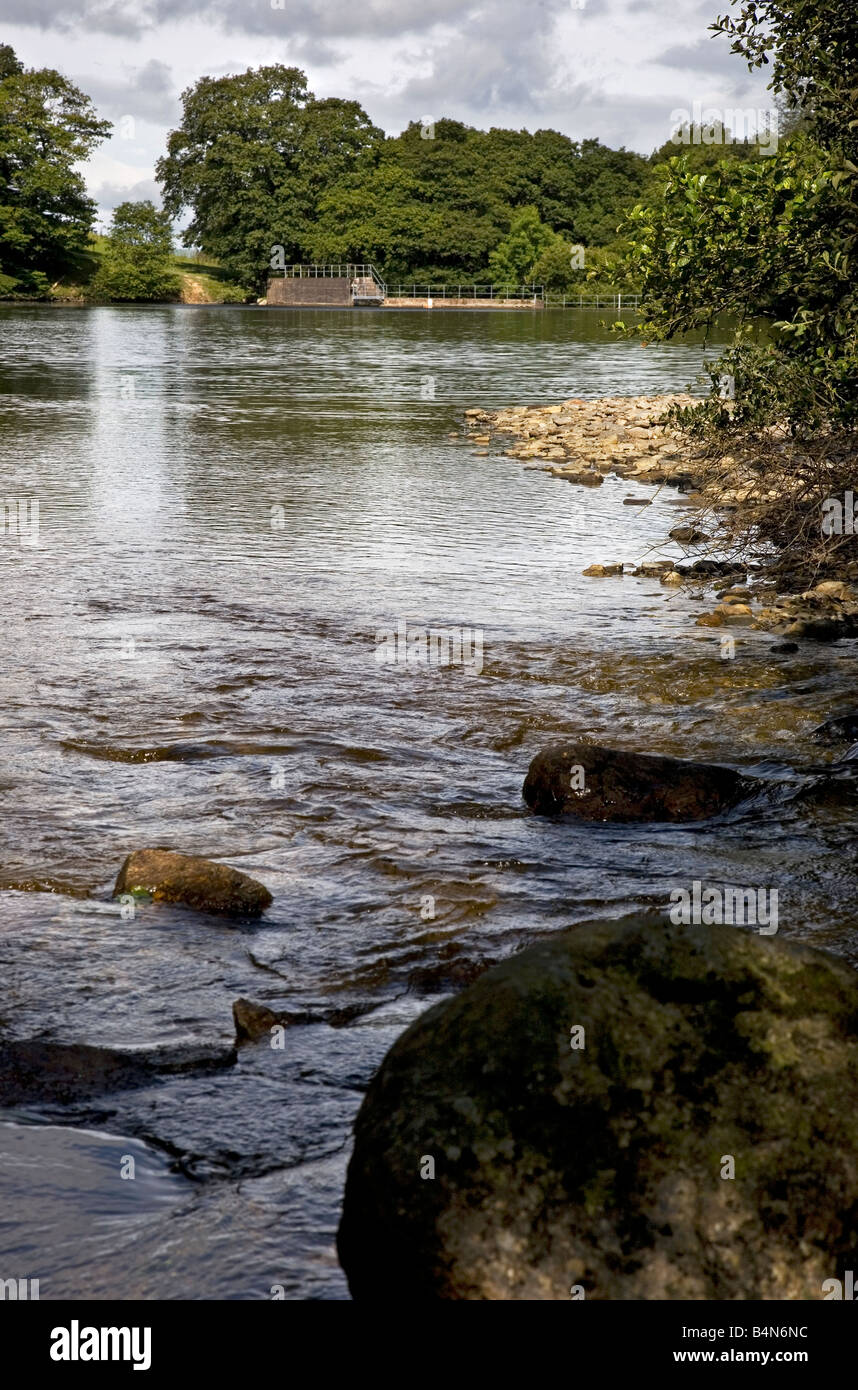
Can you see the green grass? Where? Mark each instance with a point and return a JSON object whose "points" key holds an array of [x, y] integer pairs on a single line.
{"points": [[73, 287], [214, 280]]}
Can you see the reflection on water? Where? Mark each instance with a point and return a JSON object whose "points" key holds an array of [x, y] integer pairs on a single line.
{"points": [[232, 504]]}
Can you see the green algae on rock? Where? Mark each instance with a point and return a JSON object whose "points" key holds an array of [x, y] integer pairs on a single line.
{"points": [[556, 1164], [190, 879]]}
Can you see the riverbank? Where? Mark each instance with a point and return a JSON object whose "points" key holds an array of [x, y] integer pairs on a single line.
{"points": [[734, 498]]}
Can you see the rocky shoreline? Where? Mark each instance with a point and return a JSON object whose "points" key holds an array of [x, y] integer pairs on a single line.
{"points": [[584, 441]]}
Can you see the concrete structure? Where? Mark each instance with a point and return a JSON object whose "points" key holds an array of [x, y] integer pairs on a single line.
{"points": [[292, 291], [411, 302], [346, 285]]}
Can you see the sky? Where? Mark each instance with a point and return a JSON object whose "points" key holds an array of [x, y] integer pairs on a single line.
{"points": [[618, 70]]}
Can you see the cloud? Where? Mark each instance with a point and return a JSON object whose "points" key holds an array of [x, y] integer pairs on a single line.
{"points": [[707, 55], [110, 195], [117, 18], [147, 93], [274, 18], [495, 60], [612, 69], [316, 52]]}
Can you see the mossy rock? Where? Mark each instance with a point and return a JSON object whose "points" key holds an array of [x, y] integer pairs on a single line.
{"points": [[162, 875], [601, 1167]]}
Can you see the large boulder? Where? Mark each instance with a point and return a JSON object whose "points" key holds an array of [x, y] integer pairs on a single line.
{"points": [[597, 783], [188, 878], [707, 1051]]}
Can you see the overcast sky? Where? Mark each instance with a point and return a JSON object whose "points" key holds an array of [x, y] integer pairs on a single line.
{"points": [[615, 69]]}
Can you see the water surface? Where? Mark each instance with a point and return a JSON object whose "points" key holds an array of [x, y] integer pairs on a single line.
{"points": [[232, 504]]}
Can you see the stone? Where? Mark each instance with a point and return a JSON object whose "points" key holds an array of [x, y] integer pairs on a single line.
{"points": [[688, 535], [593, 782], [817, 629], [602, 571], [654, 568], [735, 613], [831, 589], [715, 619], [170, 877], [603, 1164], [843, 728], [446, 976], [36, 1072], [254, 1021]]}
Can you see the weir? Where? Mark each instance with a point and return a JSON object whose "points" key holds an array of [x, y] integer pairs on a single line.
{"points": [[355, 285]]}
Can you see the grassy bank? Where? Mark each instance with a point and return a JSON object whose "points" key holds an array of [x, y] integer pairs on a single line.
{"points": [[202, 281]]}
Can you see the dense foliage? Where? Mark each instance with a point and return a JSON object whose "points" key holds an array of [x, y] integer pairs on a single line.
{"points": [[771, 240], [254, 156], [261, 163], [46, 125], [137, 260]]}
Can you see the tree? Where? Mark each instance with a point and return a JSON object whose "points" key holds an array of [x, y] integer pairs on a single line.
{"points": [[46, 126], [773, 239], [261, 164], [137, 260], [512, 262], [10, 63], [705, 147], [252, 159]]}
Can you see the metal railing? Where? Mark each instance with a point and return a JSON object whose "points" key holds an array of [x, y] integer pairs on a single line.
{"points": [[592, 301], [341, 269], [534, 293]]}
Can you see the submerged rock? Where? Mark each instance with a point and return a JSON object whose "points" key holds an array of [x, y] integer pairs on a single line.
{"points": [[253, 1021], [688, 535], [606, 784], [636, 1109], [446, 975], [34, 1072], [602, 571], [188, 878], [842, 729]]}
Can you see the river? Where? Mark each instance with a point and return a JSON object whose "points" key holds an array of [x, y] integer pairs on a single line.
{"points": [[232, 504]]}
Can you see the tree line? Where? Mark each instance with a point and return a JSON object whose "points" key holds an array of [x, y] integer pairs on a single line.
{"points": [[259, 161], [704, 227]]}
